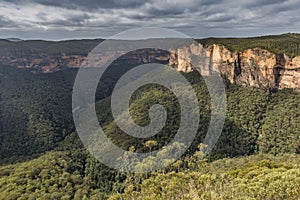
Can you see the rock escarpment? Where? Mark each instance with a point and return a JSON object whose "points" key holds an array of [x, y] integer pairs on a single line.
{"points": [[252, 67], [39, 62]]}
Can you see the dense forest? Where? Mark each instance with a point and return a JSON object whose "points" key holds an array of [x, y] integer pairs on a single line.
{"points": [[50, 47], [64, 175], [42, 157], [288, 44]]}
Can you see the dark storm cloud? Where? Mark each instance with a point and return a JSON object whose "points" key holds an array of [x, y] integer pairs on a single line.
{"points": [[285, 6], [222, 18], [211, 17], [211, 2], [264, 3], [85, 4]]}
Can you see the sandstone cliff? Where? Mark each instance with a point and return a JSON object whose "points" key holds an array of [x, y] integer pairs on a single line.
{"points": [[38, 61], [252, 67]]}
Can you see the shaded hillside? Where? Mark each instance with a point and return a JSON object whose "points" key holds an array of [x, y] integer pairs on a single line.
{"points": [[51, 47], [35, 111], [286, 43], [36, 116]]}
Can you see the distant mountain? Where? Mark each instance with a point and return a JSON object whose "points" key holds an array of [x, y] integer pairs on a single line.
{"points": [[267, 61], [14, 39], [49, 56], [45, 56]]}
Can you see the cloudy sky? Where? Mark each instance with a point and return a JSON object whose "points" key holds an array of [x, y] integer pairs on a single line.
{"points": [[65, 19]]}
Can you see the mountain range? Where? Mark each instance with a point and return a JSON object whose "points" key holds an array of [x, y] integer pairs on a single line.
{"points": [[269, 61], [256, 156]]}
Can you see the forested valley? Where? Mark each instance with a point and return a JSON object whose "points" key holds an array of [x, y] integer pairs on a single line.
{"points": [[42, 157]]}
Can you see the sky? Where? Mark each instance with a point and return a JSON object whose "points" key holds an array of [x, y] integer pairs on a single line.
{"points": [[76, 19]]}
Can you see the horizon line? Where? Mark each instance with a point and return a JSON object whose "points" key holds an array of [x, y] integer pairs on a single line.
{"points": [[17, 39]]}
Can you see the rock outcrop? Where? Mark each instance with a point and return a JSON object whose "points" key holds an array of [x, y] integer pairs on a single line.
{"points": [[252, 67], [39, 62]]}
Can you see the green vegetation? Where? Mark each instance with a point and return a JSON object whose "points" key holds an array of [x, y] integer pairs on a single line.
{"points": [[280, 130], [249, 127], [35, 111], [52, 176], [286, 43], [49, 47], [60, 175], [36, 117], [253, 177]]}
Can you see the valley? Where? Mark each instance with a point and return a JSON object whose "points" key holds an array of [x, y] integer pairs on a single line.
{"points": [[256, 157]]}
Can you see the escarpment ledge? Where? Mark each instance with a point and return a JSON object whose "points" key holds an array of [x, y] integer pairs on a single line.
{"points": [[252, 67]]}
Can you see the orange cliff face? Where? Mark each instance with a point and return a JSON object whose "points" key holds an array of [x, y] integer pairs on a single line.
{"points": [[252, 67], [39, 61]]}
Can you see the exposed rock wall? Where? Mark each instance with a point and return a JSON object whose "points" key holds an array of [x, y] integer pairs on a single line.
{"points": [[252, 67], [39, 61]]}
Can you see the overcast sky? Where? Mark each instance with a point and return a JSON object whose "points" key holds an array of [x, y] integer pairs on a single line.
{"points": [[66, 19]]}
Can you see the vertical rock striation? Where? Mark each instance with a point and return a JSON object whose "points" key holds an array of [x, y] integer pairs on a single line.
{"points": [[252, 67]]}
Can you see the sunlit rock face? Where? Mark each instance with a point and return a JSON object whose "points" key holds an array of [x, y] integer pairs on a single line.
{"points": [[252, 67]]}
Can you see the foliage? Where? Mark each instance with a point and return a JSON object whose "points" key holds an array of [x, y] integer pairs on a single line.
{"points": [[253, 177], [286, 43], [36, 117], [51, 47], [281, 130], [35, 111], [64, 175]]}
